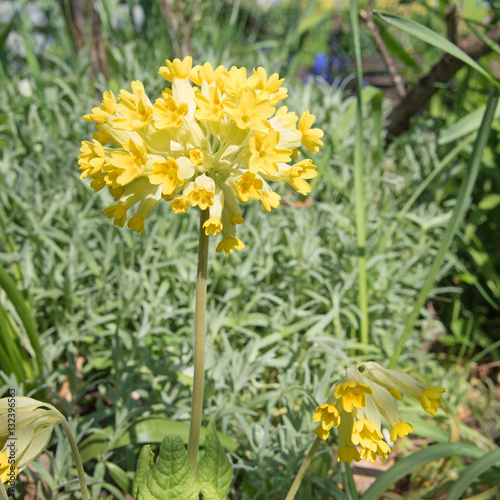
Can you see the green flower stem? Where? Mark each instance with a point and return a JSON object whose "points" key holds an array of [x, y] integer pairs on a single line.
{"points": [[78, 460], [3, 493], [199, 346], [359, 185], [303, 469]]}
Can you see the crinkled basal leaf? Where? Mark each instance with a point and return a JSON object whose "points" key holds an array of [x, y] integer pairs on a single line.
{"points": [[214, 470], [171, 478], [145, 463]]}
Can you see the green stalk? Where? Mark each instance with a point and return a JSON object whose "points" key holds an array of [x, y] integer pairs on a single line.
{"points": [[78, 460], [199, 346], [302, 471], [351, 485], [359, 180], [461, 206]]}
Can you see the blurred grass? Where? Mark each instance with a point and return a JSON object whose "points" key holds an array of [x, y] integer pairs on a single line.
{"points": [[114, 310]]}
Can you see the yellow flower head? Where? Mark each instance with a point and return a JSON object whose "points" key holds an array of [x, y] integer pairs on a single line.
{"points": [[176, 69], [356, 404], [214, 139]]}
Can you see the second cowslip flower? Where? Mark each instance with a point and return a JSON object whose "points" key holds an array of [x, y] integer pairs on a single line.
{"points": [[355, 406], [213, 139]]}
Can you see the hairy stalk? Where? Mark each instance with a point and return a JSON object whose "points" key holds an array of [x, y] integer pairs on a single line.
{"points": [[199, 346], [359, 183], [78, 460], [302, 471]]}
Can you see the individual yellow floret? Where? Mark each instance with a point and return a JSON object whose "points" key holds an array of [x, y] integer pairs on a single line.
{"points": [[176, 69], [311, 137], [353, 394]]}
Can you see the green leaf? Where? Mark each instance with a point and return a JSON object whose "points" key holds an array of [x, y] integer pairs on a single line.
{"points": [[171, 478], [17, 299], [410, 463], [146, 430], [465, 126], [471, 473], [119, 476], [214, 470], [489, 202], [145, 463], [432, 38]]}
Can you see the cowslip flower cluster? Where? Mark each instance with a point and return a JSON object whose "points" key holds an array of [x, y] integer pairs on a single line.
{"points": [[213, 139], [355, 406], [25, 429]]}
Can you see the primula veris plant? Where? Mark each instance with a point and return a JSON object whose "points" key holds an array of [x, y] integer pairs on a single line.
{"points": [[214, 139], [355, 406]]}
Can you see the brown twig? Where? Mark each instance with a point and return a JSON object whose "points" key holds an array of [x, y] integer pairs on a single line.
{"points": [[388, 61], [451, 20], [181, 25], [87, 32], [445, 69]]}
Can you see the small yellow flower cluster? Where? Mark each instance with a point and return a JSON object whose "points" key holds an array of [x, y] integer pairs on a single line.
{"points": [[214, 138], [355, 406]]}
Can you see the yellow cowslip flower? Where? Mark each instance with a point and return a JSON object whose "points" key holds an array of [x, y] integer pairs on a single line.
{"points": [[214, 139], [311, 137], [355, 406], [352, 394], [329, 416], [25, 429], [302, 170]]}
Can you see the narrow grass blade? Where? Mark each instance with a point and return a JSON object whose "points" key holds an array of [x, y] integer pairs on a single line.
{"points": [[461, 206], [432, 38], [466, 125], [359, 183], [7, 283], [11, 359], [409, 464], [471, 473]]}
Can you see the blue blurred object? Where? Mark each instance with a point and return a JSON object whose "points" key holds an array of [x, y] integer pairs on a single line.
{"points": [[326, 67], [337, 64], [320, 64]]}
